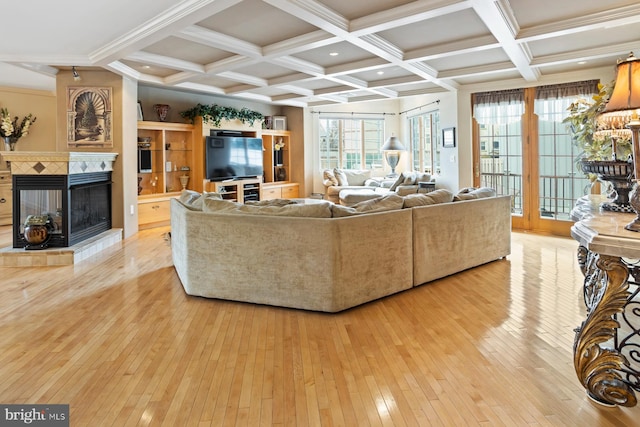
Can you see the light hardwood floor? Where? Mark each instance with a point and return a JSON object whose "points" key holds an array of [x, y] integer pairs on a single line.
{"points": [[117, 338]]}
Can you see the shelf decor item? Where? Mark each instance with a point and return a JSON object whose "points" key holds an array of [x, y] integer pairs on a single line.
{"points": [[37, 231], [162, 110], [184, 180]]}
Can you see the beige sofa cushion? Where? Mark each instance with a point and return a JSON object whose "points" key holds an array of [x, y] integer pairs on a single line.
{"points": [[387, 202], [471, 193], [194, 200], [432, 198], [311, 210]]}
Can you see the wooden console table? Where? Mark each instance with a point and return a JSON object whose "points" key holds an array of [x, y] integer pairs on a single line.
{"points": [[606, 348]]}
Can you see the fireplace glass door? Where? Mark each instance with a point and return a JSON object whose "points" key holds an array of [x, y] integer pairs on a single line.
{"points": [[45, 203]]}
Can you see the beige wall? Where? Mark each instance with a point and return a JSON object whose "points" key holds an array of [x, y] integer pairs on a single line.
{"points": [[42, 104], [123, 117]]}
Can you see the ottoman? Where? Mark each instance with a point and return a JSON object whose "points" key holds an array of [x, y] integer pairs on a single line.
{"points": [[351, 197]]}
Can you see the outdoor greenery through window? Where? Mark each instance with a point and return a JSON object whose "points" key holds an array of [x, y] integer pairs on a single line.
{"points": [[352, 143]]}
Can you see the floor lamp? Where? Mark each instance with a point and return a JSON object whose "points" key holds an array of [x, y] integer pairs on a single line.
{"points": [[622, 111], [392, 150]]}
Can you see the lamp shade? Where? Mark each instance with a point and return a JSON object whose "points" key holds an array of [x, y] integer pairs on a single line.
{"points": [[393, 144], [625, 99]]}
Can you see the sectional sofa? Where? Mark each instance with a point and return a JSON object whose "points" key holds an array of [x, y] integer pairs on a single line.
{"points": [[355, 180], [325, 257]]}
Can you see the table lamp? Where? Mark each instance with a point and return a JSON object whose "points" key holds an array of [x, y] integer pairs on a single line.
{"points": [[622, 111], [392, 150]]}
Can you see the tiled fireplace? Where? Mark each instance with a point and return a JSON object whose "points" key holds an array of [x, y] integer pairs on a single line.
{"points": [[72, 189]]}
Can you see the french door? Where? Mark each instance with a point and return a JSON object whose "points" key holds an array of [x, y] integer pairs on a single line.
{"points": [[528, 153]]}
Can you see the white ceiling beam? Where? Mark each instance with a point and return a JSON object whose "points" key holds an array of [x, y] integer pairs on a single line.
{"points": [[477, 70], [220, 41], [293, 45], [165, 61], [498, 18], [410, 13], [610, 18], [458, 47], [172, 20]]}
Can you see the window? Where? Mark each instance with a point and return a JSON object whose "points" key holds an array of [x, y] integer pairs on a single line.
{"points": [[424, 141], [351, 143]]}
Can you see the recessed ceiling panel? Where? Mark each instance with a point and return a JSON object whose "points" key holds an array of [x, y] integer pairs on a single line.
{"points": [[605, 38], [529, 13], [178, 48], [151, 70], [335, 54], [383, 73], [485, 57], [358, 9], [436, 31], [257, 22]]}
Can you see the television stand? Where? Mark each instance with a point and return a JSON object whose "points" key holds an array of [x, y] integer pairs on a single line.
{"points": [[236, 190]]}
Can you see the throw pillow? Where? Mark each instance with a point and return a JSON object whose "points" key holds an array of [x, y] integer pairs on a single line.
{"points": [[357, 176], [398, 182], [341, 177], [328, 178], [199, 202], [388, 202], [433, 198], [409, 178], [372, 182], [423, 177]]}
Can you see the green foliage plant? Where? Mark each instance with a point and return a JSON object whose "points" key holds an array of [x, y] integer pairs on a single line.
{"points": [[214, 114], [582, 121]]}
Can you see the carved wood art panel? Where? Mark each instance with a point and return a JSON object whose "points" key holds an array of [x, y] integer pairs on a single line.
{"points": [[89, 117]]}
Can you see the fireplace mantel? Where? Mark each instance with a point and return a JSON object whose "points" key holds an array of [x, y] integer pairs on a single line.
{"points": [[58, 163]]}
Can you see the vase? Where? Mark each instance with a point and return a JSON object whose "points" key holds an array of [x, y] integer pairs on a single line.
{"points": [[184, 180], [36, 231], [10, 143]]}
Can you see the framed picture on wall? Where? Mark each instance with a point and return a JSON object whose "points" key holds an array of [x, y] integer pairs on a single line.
{"points": [[140, 115], [279, 123], [449, 137]]}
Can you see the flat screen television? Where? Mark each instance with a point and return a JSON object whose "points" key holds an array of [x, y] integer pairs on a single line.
{"points": [[232, 157]]}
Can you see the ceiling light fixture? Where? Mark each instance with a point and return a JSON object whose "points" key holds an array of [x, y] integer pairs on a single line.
{"points": [[75, 74], [380, 73], [333, 54]]}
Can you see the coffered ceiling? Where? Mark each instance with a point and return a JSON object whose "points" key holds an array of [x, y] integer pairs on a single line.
{"points": [[318, 52]]}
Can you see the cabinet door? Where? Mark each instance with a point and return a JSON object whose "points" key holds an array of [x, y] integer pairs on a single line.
{"points": [[290, 192], [153, 213], [269, 193]]}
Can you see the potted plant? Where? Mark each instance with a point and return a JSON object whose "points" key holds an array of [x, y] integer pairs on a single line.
{"points": [[605, 153]]}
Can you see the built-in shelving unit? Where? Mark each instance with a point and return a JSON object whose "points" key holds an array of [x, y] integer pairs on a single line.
{"points": [[236, 190], [165, 166]]}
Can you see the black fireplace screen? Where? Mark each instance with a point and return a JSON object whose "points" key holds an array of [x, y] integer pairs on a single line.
{"points": [[78, 206]]}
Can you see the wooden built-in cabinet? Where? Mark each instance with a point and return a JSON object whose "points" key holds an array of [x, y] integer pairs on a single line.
{"points": [[178, 149], [165, 162], [236, 190], [277, 166]]}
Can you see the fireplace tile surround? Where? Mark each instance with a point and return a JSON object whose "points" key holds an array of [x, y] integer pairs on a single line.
{"points": [[52, 166]]}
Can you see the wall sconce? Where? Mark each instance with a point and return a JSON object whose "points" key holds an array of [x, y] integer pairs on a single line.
{"points": [[75, 74], [392, 150], [622, 111]]}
